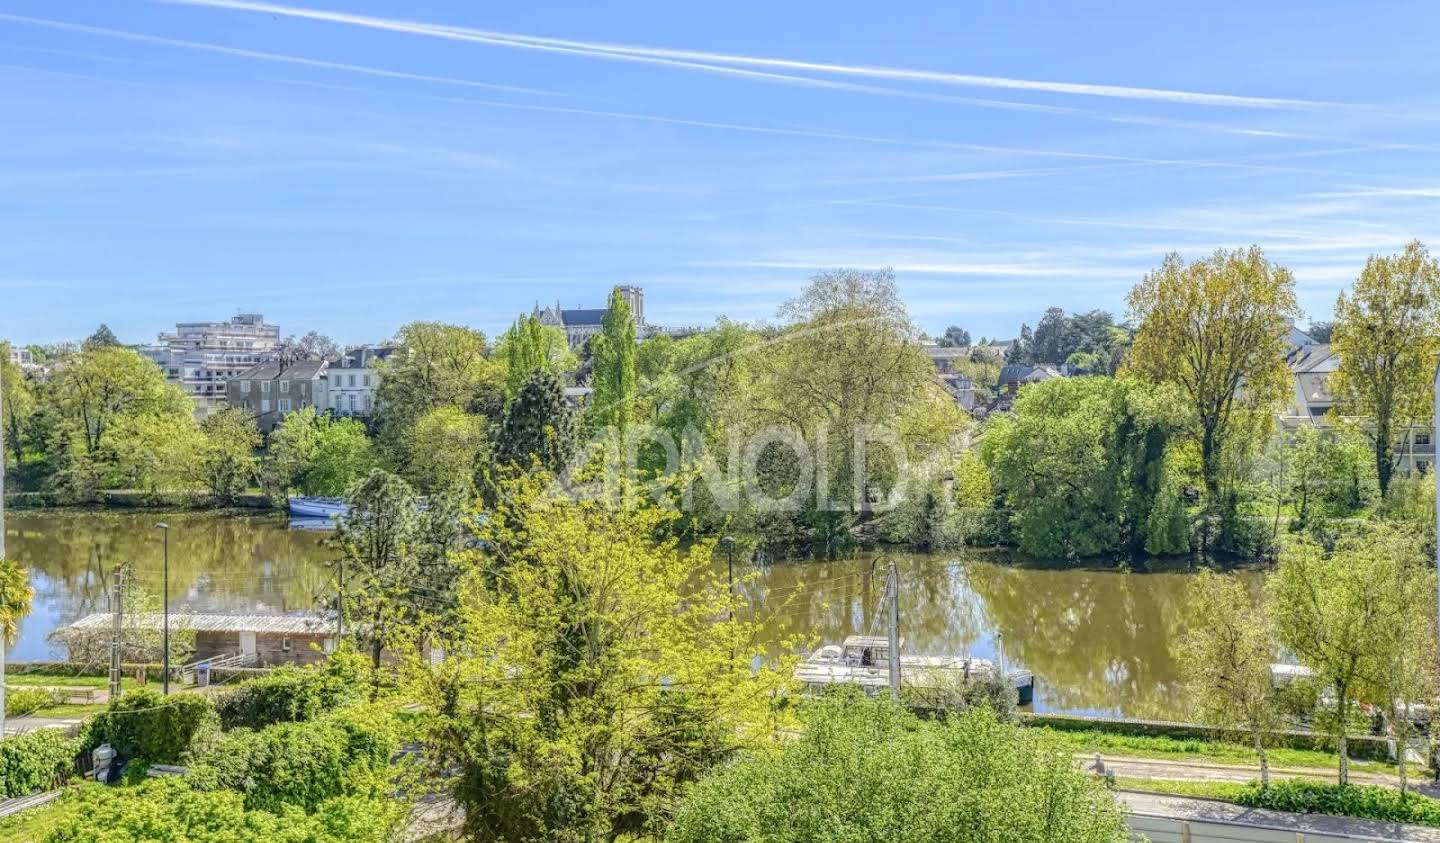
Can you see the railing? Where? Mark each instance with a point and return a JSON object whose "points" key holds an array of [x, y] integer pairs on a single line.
{"points": [[1157, 829], [187, 672]]}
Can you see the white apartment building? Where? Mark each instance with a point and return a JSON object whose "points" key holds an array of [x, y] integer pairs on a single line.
{"points": [[201, 357], [352, 381]]}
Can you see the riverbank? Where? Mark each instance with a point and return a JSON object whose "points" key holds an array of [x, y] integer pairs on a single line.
{"points": [[128, 499]]}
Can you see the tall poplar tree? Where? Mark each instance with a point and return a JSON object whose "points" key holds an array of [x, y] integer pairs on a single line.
{"points": [[613, 352]]}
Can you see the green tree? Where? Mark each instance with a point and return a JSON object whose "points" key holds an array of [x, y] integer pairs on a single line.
{"points": [[1339, 613], [228, 456], [529, 346], [17, 396], [1387, 336], [102, 338], [595, 675], [613, 353], [1329, 472], [538, 426], [954, 337], [1225, 656], [865, 770], [448, 447], [290, 450], [1083, 464], [16, 595], [438, 365], [158, 453], [973, 486], [343, 455], [1210, 327]]}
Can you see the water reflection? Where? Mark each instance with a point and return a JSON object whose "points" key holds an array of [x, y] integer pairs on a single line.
{"points": [[217, 563], [1098, 640]]}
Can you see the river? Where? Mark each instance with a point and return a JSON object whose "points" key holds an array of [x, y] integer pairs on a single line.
{"points": [[1098, 641]]}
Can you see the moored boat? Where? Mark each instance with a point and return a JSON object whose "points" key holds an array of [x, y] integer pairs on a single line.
{"points": [[318, 507], [864, 661]]}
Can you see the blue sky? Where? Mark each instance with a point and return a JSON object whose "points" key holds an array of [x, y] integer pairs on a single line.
{"points": [[352, 166]]}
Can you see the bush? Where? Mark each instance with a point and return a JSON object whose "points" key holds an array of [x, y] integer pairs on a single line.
{"points": [[291, 694], [1365, 801], [146, 725], [300, 764], [866, 770], [36, 761], [21, 701], [168, 809]]}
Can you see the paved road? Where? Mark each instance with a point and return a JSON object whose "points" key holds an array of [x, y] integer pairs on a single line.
{"points": [[1150, 768], [1205, 810]]}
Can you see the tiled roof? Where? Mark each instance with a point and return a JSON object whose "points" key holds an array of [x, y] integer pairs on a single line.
{"points": [[576, 318], [309, 623]]}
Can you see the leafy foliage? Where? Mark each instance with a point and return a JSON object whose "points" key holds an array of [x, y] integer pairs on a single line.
{"points": [[22, 701], [36, 761], [538, 426], [146, 725], [300, 764], [449, 448], [170, 810], [228, 459], [613, 353], [529, 347], [865, 770], [316, 455], [1366, 801], [290, 693]]}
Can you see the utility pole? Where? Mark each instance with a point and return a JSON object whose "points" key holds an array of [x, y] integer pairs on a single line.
{"points": [[117, 598], [892, 591], [165, 656]]}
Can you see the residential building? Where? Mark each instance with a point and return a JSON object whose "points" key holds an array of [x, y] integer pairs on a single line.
{"points": [[351, 382], [258, 640], [22, 357], [1311, 365], [583, 323], [1013, 376], [201, 357], [272, 391], [956, 383]]}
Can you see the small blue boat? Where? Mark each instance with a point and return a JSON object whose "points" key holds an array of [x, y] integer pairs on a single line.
{"points": [[318, 507]]}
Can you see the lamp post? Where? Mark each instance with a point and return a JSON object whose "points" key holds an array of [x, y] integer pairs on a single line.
{"points": [[165, 600]]}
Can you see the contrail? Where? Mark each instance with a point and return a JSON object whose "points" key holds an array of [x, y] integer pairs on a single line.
{"points": [[271, 57], [677, 57]]}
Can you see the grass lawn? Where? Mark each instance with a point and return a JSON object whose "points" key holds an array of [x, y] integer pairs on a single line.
{"points": [[1224, 791], [65, 680], [1211, 751]]}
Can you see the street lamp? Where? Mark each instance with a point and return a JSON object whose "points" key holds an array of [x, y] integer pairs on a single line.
{"points": [[165, 588]]}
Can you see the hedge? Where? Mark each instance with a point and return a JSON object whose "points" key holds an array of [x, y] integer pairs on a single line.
{"points": [[1370, 802], [1367, 747], [169, 809], [301, 764], [147, 725], [290, 694], [21, 701], [36, 761]]}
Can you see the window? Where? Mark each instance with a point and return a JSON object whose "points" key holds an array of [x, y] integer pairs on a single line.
{"points": [[352, 403], [285, 645], [264, 387], [264, 405], [284, 405], [284, 386], [367, 402], [352, 381], [1422, 439], [244, 387], [366, 380]]}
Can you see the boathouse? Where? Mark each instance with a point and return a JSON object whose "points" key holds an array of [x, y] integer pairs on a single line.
{"points": [[259, 640]]}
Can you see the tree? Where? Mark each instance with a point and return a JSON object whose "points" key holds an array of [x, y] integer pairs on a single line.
{"points": [[613, 353], [538, 426], [291, 447], [17, 396], [312, 346], [866, 770], [1387, 336], [1339, 613], [101, 339], [954, 337], [1320, 332], [529, 346], [379, 539], [1330, 471], [1211, 327], [16, 595], [228, 458], [158, 452], [596, 674], [1225, 656], [437, 365], [448, 447], [343, 454], [1083, 464]]}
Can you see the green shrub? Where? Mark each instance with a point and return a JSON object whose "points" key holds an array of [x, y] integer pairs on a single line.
{"points": [[170, 810], [300, 764], [291, 694], [1364, 801], [36, 761], [146, 725], [22, 701]]}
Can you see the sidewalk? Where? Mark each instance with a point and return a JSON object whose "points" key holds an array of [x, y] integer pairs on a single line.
{"points": [[1225, 814], [1153, 768]]}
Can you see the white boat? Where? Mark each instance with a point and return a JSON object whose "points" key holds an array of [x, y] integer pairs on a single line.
{"points": [[318, 507], [864, 660]]}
